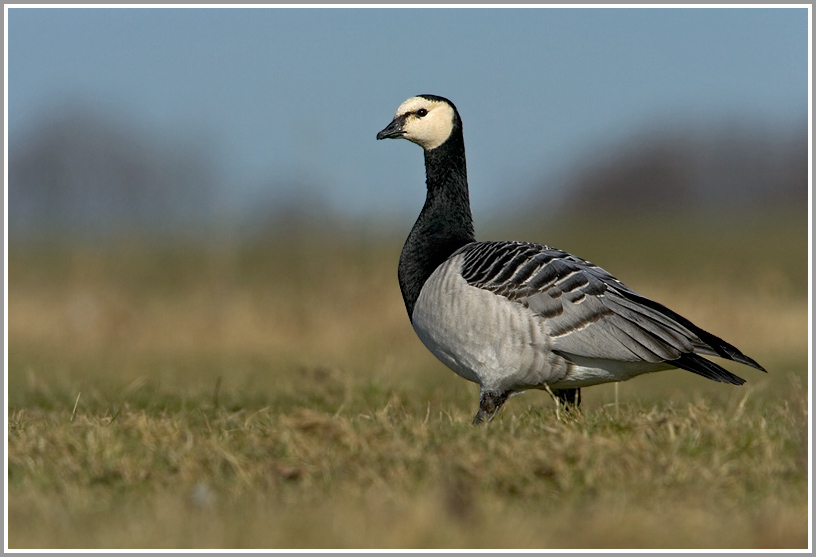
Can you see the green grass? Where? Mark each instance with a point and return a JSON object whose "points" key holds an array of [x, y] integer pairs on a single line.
{"points": [[276, 397]]}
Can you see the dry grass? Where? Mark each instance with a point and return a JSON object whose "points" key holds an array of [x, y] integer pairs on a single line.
{"points": [[277, 397]]}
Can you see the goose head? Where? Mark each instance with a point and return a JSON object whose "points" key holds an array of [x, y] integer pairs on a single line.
{"points": [[426, 120]]}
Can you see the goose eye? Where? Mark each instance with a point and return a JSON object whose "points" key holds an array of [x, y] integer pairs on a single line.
{"points": [[421, 112]]}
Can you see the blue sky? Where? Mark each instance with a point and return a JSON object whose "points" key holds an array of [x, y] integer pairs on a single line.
{"points": [[278, 95]]}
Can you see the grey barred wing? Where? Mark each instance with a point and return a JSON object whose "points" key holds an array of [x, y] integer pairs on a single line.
{"points": [[588, 313]]}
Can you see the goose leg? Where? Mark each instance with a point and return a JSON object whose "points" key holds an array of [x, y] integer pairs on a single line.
{"points": [[489, 404], [568, 398]]}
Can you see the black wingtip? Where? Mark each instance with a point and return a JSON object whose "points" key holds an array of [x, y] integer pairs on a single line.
{"points": [[721, 347], [728, 351], [708, 369], [741, 358]]}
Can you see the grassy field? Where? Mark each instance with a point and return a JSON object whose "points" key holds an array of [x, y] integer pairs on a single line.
{"points": [[275, 396]]}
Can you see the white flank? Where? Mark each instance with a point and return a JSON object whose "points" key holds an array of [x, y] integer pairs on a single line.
{"points": [[483, 337]]}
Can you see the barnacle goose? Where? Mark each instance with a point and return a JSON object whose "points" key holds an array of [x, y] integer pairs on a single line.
{"points": [[512, 316]]}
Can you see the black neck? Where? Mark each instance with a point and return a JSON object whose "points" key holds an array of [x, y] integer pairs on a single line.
{"points": [[445, 223]]}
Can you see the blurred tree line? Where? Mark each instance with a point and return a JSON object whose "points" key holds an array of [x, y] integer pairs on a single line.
{"points": [[721, 168], [79, 173]]}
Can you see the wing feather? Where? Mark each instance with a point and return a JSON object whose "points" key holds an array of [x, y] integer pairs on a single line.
{"points": [[588, 313]]}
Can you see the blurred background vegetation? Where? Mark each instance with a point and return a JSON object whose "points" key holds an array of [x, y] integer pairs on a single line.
{"points": [[83, 176]]}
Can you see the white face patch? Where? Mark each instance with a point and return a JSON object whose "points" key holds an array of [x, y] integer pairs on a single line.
{"points": [[432, 129]]}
